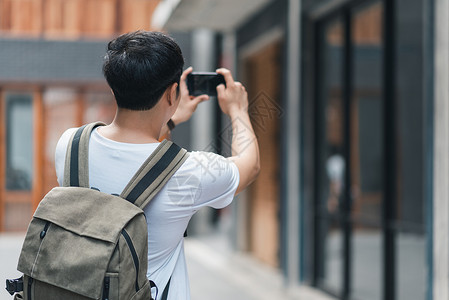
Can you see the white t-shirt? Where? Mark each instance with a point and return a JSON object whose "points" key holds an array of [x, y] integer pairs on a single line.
{"points": [[205, 179]]}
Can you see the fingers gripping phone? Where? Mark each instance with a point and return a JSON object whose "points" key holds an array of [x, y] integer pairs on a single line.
{"points": [[200, 83]]}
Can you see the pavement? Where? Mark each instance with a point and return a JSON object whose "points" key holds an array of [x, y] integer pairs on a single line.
{"points": [[10, 246], [215, 272]]}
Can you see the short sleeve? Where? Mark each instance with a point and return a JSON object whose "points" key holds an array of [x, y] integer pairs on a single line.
{"points": [[218, 179], [60, 152]]}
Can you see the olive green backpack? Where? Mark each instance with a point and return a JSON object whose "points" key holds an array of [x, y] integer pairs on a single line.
{"points": [[85, 244]]}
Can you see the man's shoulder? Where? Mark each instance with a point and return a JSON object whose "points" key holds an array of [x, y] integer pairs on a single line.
{"points": [[211, 177], [210, 165], [206, 158]]}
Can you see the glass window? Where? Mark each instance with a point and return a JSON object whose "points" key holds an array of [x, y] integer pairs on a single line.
{"points": [[331, 165], [367, 151], [363, 270], [19, 141], [411, 205]]}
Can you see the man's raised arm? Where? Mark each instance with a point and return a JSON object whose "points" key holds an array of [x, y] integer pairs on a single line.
{"points": [[233, 101]]}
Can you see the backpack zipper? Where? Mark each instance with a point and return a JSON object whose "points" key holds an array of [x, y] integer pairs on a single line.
{"points": [[30, 283], [44, 232], [134, 256], [42, 235], [106, 288]]}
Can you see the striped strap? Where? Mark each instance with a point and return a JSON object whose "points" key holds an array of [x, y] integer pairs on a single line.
{"points": [[154, 173], [76, 169]]}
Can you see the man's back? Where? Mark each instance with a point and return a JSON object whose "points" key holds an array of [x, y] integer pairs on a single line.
{"points": [[205, 179], [144, 71]]}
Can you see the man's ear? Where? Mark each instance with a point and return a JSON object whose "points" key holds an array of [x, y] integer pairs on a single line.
{"points": [[172, 95]]}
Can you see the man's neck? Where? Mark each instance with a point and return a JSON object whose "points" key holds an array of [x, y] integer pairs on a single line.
{"points": [[135, 127]]}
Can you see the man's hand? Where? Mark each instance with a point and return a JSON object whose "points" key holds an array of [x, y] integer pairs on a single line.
{"points": [[187, 104], [233, 98]]}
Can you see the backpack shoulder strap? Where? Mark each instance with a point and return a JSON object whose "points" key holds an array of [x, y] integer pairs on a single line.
{"points": [[154, 173], [145, 184], [76, 169]]}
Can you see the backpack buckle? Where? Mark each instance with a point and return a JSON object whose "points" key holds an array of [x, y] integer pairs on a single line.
{"points": [[14, 285]]}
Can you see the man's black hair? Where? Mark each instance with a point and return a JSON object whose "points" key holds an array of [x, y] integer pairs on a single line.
{"points": [[139, 66]]}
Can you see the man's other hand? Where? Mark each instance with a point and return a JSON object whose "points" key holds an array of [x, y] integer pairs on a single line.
{"points": [[187, 104]]}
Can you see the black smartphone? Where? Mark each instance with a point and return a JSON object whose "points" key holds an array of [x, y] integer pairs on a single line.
{"points": [[200, 83]]}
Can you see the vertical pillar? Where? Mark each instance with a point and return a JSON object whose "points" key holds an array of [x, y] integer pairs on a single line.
{"points": [[2, 160], [203, 50], [441, 152], [293, 147], [80, 106], [239, 213]]}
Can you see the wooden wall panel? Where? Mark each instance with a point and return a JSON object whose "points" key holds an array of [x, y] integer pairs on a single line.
{"points": [[38, 153], [61, 112], [263, 85], [5, 15], [99, 106], [53, 16], [99, 18], [75, 18], [136, 14], [26, 16], [63, 18]]}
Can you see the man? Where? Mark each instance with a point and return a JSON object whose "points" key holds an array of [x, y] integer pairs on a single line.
{"points": [[144, 71]]}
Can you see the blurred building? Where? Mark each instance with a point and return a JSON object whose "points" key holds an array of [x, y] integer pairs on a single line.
{"points": [[50, 79], [349, 99], [350, 102]]}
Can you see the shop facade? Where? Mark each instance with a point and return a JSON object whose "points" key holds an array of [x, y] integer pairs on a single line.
{"points": [[349, 103]]}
